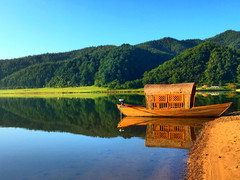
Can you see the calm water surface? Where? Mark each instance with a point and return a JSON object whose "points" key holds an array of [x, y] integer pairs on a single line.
{"points": [[63, 138]]}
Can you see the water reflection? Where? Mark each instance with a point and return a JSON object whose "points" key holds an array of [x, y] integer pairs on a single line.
{"points": [[91, 149], [93, 146], [91, 117], [167, 132]]}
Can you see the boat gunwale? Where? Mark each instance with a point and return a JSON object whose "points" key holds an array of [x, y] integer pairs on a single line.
{"points": [[173, 109], [219, 109]]}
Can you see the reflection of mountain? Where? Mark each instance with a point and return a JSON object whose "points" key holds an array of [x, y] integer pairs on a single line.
{"points": [[167, 132], [92, 117]]}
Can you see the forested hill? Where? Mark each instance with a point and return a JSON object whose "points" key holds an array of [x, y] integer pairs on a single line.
{"points": [[114, 65], [228, 38], [209, 63], [96, 65], [10, 66], [169, 46]]}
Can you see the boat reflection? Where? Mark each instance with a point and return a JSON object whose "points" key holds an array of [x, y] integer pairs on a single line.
{"points": [[167, 132]]}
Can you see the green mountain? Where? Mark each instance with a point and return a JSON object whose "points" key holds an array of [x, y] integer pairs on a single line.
{"points": [[97, 65], [228, 38], [11, 66], [109, 65], [209, 63], [169, 46]]}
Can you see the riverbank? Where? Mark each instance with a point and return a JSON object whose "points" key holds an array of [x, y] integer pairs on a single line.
{"points": [[79, 91], [216, 152], [68, 91]]}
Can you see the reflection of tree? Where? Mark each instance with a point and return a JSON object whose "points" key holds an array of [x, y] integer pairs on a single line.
{"points": [[93, 117], [222, 98]]}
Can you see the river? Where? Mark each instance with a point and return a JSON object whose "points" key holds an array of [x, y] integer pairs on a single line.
{"points": [[78, 138]]}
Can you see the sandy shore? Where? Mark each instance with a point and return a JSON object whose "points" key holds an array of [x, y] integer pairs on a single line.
{"points": [[216, 152]]}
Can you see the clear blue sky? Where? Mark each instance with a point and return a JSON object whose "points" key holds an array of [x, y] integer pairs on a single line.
{"points": [[30, 27]]}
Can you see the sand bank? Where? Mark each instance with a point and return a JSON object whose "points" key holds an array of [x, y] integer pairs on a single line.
{"points": [[216, 152]]}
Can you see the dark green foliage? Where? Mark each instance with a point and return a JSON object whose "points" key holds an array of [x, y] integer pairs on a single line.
{"points": [[62, 72], [30, 77], [8, 67], [228, 38], [132, 84], [208, 63], [126, 63], [169, 46], [100, 66]]}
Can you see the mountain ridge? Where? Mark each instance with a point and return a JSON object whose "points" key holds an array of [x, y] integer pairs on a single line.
{"points": [[102, 65]]}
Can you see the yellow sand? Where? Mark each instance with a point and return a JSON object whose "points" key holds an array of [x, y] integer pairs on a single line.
{"points": [[216, 153]]}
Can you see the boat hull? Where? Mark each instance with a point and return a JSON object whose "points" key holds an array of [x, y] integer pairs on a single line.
{"points": [[202, 111]]}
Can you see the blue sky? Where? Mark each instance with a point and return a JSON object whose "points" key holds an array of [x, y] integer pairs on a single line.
{"points": [[30, 27]]}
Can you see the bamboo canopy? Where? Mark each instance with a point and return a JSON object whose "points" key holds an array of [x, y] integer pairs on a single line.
{"points": [[170, 96]]}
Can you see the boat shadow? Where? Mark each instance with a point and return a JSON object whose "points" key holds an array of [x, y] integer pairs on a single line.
{"points": [[232, 113]]}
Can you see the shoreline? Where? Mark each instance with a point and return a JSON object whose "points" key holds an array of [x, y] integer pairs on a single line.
{"points": [[216, 152], [69, 90], [90, 89], [84, 91]]}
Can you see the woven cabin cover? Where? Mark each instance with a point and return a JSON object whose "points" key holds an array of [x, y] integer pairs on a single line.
{"points": [[160, 96], [183, 88]]}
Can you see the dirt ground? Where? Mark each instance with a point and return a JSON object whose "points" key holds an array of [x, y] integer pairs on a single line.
{"points": [[216, 152]]}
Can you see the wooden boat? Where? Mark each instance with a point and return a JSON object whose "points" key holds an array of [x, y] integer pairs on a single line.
{"points": [[174, 100], [202, 111]]}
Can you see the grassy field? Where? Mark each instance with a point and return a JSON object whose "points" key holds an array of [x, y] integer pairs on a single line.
{"points": [[56, 95], [54, 90], [85, 91]]}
